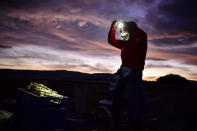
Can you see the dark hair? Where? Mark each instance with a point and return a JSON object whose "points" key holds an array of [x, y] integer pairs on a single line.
{"points": [[131, 26]]}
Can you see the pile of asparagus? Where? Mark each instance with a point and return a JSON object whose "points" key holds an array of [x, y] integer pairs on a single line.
{"points": [[43, 91]]}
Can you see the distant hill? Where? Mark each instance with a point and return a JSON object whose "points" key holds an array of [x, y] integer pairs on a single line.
{"points": [[172, 79], [58, 74], [63, 74]]}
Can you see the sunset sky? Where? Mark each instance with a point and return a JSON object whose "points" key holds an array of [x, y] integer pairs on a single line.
{"points": [[72, 35]]}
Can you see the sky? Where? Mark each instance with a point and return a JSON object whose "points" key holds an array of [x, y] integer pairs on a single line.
{"points": [[72, 35]]}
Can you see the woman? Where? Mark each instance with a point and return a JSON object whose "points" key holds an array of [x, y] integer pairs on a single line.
{"points": [[127, 81]]}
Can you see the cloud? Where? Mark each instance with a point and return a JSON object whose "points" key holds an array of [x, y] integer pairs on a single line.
{"points": [[168, 54], [190, 51], [99, 67], [173, 16], [5, 46], [184, 52], [179, 41], [158, 63], [43, 58], [154, 59]]}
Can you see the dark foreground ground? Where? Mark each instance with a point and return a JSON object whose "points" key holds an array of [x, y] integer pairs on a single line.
{"points": [[174, 105]]}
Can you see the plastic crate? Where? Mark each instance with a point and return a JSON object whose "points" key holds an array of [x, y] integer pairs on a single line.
{"points": [[39, 112]]}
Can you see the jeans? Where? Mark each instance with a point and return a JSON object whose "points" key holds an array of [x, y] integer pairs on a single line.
{"points": [[129, 93]]}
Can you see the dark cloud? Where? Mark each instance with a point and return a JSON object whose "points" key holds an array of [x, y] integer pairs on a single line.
{"points": [[140, 1], [192, 51], [104, 7], [86, 30], [189, 51], [98, 67], [158, 66], [157, 63], [30, 31], [62, 44], [193, 62], [26, 54], [26, 33], [154, 59], [193, 74], [173, 16], [174, 41], [102, 52], [5, 46], [24, 4], [16, 25]]}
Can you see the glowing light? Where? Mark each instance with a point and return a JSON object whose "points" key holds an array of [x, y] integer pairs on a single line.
{"points": [[120, 25]]}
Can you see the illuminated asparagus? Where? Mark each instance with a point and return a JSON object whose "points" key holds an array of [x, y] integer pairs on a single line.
{"points": [[43, 91]]}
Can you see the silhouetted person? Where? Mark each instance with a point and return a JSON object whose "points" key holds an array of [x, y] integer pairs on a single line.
{"points": [[127, 87]]}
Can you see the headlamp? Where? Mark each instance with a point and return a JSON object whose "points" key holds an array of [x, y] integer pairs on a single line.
{"points": [[121, 25], [123, 31]]}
